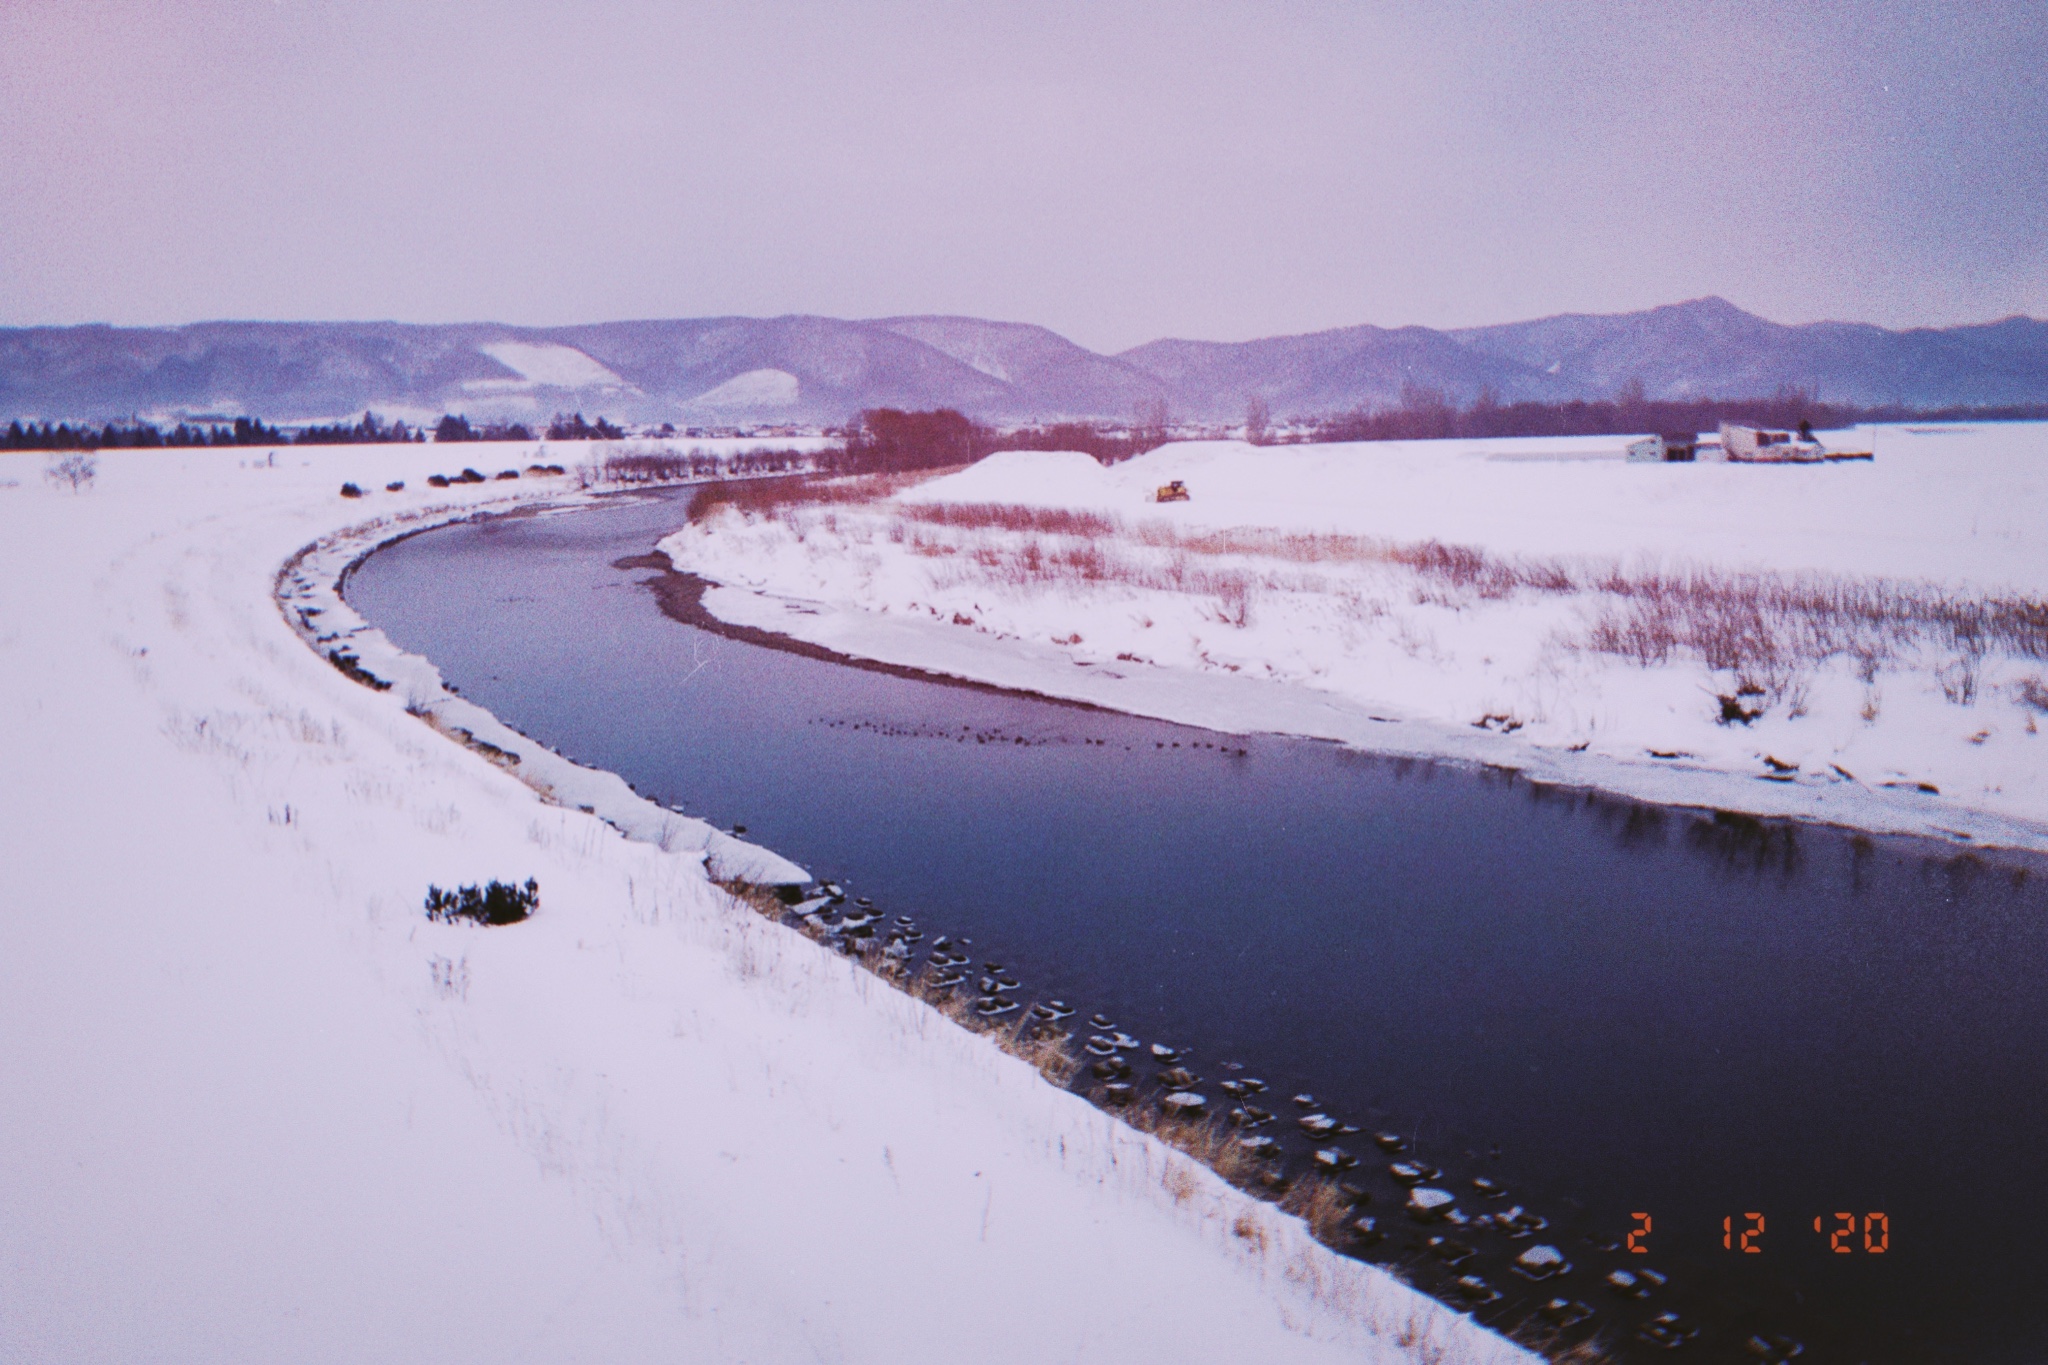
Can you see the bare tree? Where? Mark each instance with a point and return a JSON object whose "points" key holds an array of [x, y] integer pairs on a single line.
{"points": [[1258, 419], [78, 469], [1154, 417]]}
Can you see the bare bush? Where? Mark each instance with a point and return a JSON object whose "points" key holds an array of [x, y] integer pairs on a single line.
{"points": [[75, 470], [1258, 419]]}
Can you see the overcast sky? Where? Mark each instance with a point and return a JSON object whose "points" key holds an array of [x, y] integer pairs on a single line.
{"points": [[1116, 171]]}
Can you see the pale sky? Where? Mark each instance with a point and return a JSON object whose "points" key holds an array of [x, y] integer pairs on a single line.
{"points": [[1116, 171]]}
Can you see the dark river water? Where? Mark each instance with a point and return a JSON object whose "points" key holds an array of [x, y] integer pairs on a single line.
{"points": [[1624, 1015]]}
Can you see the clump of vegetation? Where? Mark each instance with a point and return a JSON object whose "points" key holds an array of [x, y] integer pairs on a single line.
{"points": [[349, 490], [458, 428], [497, 903], [370, 431], [350, 665], [884, 440], [567, 427]]}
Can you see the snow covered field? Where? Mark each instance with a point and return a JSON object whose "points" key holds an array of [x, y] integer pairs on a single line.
{"points": [[259, 1109], [1865, 643]]}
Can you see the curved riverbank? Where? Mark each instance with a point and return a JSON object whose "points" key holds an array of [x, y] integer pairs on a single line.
{"points": [[1281, 601], [1607, 993], [1310, 1205], [262, 1104]]}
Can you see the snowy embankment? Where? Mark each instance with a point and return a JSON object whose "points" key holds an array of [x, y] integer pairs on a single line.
{"points": [[1861, 643], [260, 1109]]}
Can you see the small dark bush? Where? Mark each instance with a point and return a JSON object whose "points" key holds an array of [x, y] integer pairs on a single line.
{"points": [[350, 665], [437, 480], [1736, 710], [395, 486], [508, 473], [349, 490], [498, 903], [567, 428], [471, 476]]}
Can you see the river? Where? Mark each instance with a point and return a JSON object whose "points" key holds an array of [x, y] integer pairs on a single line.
{"points": [[1623, 1014]]}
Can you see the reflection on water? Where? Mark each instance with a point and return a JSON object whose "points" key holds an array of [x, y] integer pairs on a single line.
{"points": [[1607, 1007], [1743, 843]]}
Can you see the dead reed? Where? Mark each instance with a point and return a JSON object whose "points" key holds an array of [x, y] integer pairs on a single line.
{"points": [[1769, 630], [1318, 1201]]}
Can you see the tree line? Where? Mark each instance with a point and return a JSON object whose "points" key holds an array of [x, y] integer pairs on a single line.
{"points": [[1427, 414], [890, 440], [246, 431], [253, 431]]}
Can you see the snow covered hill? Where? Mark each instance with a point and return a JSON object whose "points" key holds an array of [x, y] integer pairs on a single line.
{"points": [[817, 369], [260, 1109]]}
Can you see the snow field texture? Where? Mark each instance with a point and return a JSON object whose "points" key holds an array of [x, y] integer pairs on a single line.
{"points": [[261, 1109], [1865, 643]]}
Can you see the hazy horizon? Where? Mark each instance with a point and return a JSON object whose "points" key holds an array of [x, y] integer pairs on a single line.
{"points": [[1118, 173]]}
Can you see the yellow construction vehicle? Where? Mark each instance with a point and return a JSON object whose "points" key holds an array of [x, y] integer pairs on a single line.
{"points": [[1171, 492]]}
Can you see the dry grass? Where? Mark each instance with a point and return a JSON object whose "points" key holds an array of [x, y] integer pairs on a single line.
{"points": [[1180, 1183], [1052, 1053], [1552, 1344], [1317, 1201], [1768, 627], [1769, 631], [1209, 1141]]}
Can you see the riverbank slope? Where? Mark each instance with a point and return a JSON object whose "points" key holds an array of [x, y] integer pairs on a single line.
{"points": [[260, 1109]]}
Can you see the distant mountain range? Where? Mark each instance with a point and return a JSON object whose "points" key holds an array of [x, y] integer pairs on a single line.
{"points": [[726, 371]]}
